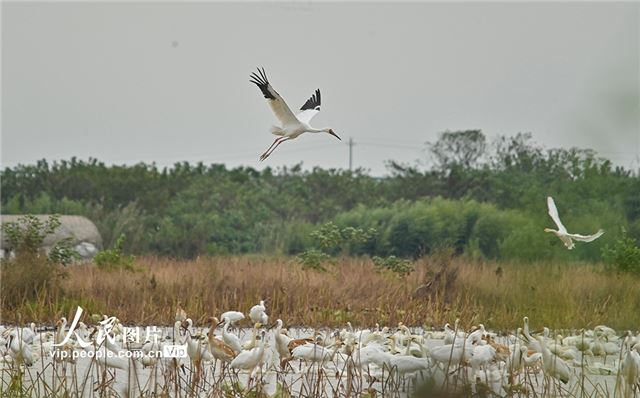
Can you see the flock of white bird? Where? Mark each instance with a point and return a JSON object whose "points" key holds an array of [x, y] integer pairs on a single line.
{"points": [[482, 355], [399, 351]]}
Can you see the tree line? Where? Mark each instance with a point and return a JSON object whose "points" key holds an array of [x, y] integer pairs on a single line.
{"points": [[475, 196]]}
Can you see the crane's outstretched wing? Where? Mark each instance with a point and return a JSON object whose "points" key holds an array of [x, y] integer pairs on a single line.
{"points": [[279, 107], [586, 238], [310, 108], [553, 212]]}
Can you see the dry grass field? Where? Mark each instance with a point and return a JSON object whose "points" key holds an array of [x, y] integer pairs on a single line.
{"points": [[440, 290]]}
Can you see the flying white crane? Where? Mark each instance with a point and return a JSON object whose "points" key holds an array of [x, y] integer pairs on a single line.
{"points": [[562, 233], [292, 125]]}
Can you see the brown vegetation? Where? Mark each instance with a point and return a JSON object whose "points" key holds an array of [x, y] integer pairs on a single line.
{"points": [[438, 291]]}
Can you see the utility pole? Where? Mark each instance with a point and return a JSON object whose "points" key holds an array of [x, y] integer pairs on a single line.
{"points": [[350, 153]]}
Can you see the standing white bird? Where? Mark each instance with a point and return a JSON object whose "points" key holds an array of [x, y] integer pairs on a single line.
{"points": [[218, 348], [28, 334], [251, 343], [314, 352], [282, 343], [20, 349], [178, 338], [532, 360], [562, 233], [372, 353], [630, 370], [232, 316], [404, 364], [230, 339], [450, 354], [292, 125], [481, 356], [105, 359], [197, 352], [552, 365], [152, 351], [452, 334], [529, 340], [250, 359], [258, 314]]}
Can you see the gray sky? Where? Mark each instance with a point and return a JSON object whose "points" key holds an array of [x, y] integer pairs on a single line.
{"points": [[165, 82]]}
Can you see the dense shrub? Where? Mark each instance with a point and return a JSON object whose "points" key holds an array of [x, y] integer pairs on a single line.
{"points": [[115, 258], [478, 196], [32, 275], [623, 255], [394, 264], [330, 240], [313, 259], [422, 227]]}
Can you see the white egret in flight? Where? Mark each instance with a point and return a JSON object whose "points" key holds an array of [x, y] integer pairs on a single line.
{"points": [[562, 233]]}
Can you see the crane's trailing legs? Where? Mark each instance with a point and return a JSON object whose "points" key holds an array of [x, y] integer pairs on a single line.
{"points": [[269, 151], [264, 155]]}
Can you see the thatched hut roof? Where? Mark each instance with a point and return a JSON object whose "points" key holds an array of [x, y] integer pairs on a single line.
{"points": [[80, 228]]}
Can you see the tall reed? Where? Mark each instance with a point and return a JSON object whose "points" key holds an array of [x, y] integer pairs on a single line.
{"points": [[438, 291]]}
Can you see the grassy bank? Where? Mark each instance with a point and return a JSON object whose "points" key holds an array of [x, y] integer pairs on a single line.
{"points": [[438, 291]]}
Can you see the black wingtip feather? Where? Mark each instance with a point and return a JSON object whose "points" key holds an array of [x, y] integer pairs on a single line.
{"points": [[260, 80], [313, 102]]}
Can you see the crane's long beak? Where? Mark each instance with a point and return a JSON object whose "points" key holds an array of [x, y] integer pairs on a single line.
{"points": [[335, 135]]}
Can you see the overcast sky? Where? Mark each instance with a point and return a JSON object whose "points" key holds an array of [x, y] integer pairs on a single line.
{"points": [[166, 82]]}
